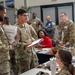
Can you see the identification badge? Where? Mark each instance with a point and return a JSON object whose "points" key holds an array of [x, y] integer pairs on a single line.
{"points": [[49, 24], [34, 22], [65, 27]]}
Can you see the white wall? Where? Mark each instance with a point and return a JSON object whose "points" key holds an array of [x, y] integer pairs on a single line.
{"points": [[49, 12], [1, 0], [11, 15], [18, 3], [45, 2], [37, 10], [74, 11]]}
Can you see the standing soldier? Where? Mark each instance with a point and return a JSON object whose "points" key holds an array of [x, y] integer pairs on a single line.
{"points": [[65, 30], [74, 36], [36, 23], [4, 48], [50, 27], [25, 56]]}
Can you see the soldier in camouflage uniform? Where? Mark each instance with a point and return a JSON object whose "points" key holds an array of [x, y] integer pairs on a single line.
{"points": [[36, 23], [64, 60], [25, 56], [50, 27], [74, 35], [65, 30], [4, 48], [32, 30]]}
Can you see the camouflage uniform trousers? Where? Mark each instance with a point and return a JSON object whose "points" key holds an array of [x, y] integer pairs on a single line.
{"points": [[13, 62], [13, 65], [26, 63], [5, 68]]}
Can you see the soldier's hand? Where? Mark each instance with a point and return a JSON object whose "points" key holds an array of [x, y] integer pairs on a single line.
{"points": [[37, 46], [61, 43], [67, 43], [16, 37], [27, 44], [12, 43], [14, 40]]}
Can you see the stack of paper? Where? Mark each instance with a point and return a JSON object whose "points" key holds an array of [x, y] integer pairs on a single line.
{"points": [[10, 31], [35, 42]]}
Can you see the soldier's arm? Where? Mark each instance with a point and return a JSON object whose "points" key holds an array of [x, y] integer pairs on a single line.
{"points": [[59, 33], [18, 42], [71, 32], [33, 32], [53, 26], [4, 46], [42, 24], [63, 73]]}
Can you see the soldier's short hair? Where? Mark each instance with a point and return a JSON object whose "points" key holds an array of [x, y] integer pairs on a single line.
{"points": [[64, 13], [1, 7], [21, 12]]}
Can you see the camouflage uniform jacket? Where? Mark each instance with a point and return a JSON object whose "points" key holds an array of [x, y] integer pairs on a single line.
{"points": [[4, 53], [64, 71], [36, 24], [24, 37], [4, 47], [74, 36], [68, 29]]}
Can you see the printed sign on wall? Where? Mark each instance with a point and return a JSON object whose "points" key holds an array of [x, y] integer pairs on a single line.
{"points": [[9, 3]]}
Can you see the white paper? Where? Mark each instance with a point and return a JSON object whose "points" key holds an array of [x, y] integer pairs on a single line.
{"points": [[45, 50], [62, 35], [35, 42], [37, 50], [73, 58], [10, 32]]}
